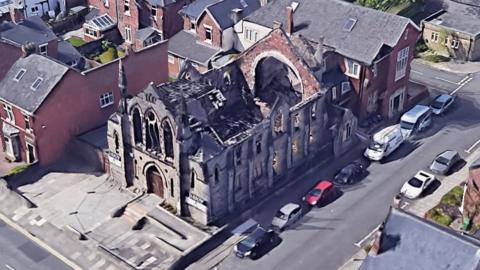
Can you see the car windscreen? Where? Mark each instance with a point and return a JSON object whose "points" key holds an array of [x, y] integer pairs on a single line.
{"points": [[248, 243], [406, 125], [280, 215], [442, 160], [414, 182], [437, 104], [376, 146], [315, 192]]}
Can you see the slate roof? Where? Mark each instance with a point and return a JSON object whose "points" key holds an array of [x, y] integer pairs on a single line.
{"points": [[222, 10], [32, 29], [196, 8], [161, 3], [144, 33], [410, 242], [185, 45], [20, 93], [458, 21], [327, 18], [67, 53]]}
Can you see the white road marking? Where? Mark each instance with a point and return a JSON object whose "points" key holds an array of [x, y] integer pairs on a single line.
{"points": [[359, 243], [445, 80], [418, 72], [464, 79], [9, 267], [461, 85], [405, 204], [473, 146]]}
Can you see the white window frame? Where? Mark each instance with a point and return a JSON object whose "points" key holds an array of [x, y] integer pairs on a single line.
{"points": [[26, 119], [251, 35], [19, 74], [402, 63], [106, 3], [90, 32], [35, 9], [346, 87], [9, 111], [334, 93], [353, 71], [128, 34], [126, 3], [208, 28], [39, 80], [434, 37], [171, 59], [43, 49], [154, 12], [455, 43], [34, 152], [106, 100]]}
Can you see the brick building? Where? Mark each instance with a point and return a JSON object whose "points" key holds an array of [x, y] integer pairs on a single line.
{"points": [[471, 204], [208, 33], [46, 103], [208, 143], [141, 22], [367, 52]]}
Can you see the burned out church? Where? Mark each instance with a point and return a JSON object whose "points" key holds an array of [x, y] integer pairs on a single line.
{"points": [[209, 143]]}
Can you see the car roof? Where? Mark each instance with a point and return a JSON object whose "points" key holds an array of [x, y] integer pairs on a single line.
{"points": [[413, 114], [289, 207], [324, 184], [443, 97], [448, 154], [257, 233], [423, 176]]}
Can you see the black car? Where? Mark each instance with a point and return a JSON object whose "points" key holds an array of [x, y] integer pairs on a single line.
{"points": [[351, 174], [254, 242]]}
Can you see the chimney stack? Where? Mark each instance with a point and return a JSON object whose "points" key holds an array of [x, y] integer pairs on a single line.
{"points": [[236, 15], [289, 26], [28, 49], [276, 25], [16, 14]]}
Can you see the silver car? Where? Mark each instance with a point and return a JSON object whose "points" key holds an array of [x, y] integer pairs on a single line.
{"points": [[286, 216], [444, 162], [441, 103]]}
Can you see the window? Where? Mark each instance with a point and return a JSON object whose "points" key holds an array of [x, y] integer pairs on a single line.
{"points": [[278, 122], [106, 100], [154, 13], [251, 35], [193, 177], [314, 110], [105, 3], [19, 75], [455, 43], [26, 118], [137, 127], [349, 24], [135, 168], [35, 9], [192, 26], [258, 144], [116, 142], [9, 113], [434, 37], [296, 121], [167, 139], [348, 132], [90, 32], [128, 33], [238, 155], [345, 87], [375, 69], [172, 191], [43, 49], [171, 59], [402, 61], [126, 7], [238, 183], [36, 83], [208, 34], [406, 34], [352, 68], [216, 176], [334, 93]]}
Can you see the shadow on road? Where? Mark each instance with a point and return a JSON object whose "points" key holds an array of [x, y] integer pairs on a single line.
{"points": [[403, 150]]}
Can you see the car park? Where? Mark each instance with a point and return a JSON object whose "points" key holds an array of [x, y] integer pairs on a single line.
{"points": [[414, 187], [350, 174], [444, 162], [286, 216], [251, 245], [323, 193], [442, 103]]}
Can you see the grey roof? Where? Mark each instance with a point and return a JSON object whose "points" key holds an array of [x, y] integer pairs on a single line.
{"points": [[96, 137], [67, 53], [327, 18], [459, 21], [144, 33], [222, 11], [410, 242], [185, 44], [196, 8], [20, 93], [32, 29], [161, 3], [333, 77]]}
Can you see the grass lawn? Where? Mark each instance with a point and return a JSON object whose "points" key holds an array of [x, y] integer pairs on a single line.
{"points": [[76, 41], [18, 169], [109, 55], [447, 210]]}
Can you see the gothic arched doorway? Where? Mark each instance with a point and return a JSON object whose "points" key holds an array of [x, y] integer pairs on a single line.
{"points": [[154, 181]]}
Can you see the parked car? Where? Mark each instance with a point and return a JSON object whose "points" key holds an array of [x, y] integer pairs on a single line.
{"points": [[384, 143], [286, 216], [350, 174], [417, 184], [444, 162], [415, 120], [254, 242], [441, 103], [323, 192]]}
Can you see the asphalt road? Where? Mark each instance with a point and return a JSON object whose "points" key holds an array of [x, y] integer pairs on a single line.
{"points": [[19, 253], [324, 238]]}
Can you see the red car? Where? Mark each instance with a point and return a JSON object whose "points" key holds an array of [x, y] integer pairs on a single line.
{"points": [[323, 192]]}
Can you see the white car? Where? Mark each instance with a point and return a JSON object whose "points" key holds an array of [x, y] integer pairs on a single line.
{"points": [[415, 186]]}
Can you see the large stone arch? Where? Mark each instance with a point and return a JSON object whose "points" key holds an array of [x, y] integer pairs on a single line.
{"points": [[155, 180], [280, 57]]}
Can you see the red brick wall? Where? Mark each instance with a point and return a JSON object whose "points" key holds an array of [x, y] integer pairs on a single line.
{"points": [[9, 54], [205, 19], [74, 106], [173, 68], [172, 21], [104, 10], [20, 125], [277, 42]]}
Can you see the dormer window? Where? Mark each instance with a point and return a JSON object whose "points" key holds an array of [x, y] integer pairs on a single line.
{"points": [[19, 75], [43, 49], [36, 83]]}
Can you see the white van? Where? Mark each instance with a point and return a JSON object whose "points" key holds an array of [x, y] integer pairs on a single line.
{"points": [[416, 119], [384, 143]]}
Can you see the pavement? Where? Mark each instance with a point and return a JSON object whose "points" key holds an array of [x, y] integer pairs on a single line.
{"points": [[452, 66], [327, 237]]}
